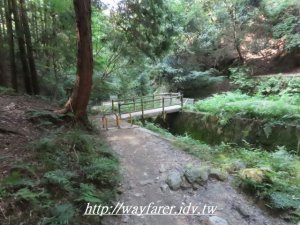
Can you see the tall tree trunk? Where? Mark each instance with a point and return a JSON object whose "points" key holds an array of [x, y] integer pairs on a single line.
{"points": [[33, 73], [79, 98], [11, 44], [2, 41], [1, 48], [22, 48], [2, 22]]}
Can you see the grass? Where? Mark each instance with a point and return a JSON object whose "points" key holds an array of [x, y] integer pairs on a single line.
{"points": [[68, 169], [284, 107], [282, 168]]}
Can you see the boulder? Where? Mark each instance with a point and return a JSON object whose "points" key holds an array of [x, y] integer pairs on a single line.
{"points": [[197, 174], [174, 180], [218, 174]]}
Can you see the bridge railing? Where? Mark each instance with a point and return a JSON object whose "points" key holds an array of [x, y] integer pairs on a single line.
{"points": [[140, 104]]}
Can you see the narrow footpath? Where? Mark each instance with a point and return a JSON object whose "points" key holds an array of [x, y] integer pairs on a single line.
{"points": [[147, 160]]}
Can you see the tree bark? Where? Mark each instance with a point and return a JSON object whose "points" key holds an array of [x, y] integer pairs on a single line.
{"points": [[11, 44], [33, 73], [2, 21], [79, 98], [22, 47]]}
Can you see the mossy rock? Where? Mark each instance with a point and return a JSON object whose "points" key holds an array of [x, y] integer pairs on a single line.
{"points": [[255, 175], [197, 174]]}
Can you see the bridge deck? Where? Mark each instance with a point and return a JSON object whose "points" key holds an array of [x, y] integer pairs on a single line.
{"points": [[152, 112]]}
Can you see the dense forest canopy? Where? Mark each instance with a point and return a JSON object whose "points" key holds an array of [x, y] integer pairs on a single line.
{"points": [[145, 46]]}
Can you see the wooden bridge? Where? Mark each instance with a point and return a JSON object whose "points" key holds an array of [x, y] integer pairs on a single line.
{"points": [[141, 108]]}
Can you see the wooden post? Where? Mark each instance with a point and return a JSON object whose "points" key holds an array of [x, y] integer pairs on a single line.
{"points": [[181, 101], [103, 122], [130, 118], [119, 109], [134, 109], [117, 121], [112, 105], [106, 123], [153, 97], [163, 105], [142, 104]]}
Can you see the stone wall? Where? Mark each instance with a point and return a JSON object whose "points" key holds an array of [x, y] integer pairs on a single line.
{"points": [[206, 127]]}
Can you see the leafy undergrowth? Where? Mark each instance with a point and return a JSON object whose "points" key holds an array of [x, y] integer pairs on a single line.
{"points": [[6, 91], [69, 168], [227, 105], [280, 188]]}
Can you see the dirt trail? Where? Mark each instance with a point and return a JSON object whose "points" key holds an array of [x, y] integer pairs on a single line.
{"points": [[146, 160]]}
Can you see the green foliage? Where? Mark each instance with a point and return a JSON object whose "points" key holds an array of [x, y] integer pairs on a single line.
{"points": [[102, 170], [62, 215], [71, 167], [89, 193], [179, 77], [240, 77], [237, 104], [287, 29], [60, 177], [30, 196], [6, 91], [79, 141], [148, 25], [281, 200]]}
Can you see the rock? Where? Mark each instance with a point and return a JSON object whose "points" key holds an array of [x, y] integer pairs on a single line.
{"points": [[164, 187], [146, 182], [238, 165], [218, 174], [139, 195], [185, 185], [242, 209], [120, 190], [197, 174], [215, 220], [174, 180], [162, 168], [196, 186], [254, 174]]}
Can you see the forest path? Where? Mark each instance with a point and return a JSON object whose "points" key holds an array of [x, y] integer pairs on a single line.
{"points": [[146, 159]]}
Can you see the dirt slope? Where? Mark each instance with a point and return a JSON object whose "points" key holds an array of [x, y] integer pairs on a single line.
{"points": [[15, 130]]}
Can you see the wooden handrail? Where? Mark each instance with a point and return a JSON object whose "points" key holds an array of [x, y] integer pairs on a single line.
{"points": [[147, 96], [144, 102]]}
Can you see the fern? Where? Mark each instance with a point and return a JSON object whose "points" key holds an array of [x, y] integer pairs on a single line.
{"points": [[88, 193], [281, 200], [60, 177], [62, 215], [103, 170], [28, 195], [79, 141], [15, 180]]}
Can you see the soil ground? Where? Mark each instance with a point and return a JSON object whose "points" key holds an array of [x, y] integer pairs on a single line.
{"points": [[16, 132], [143, 154]]}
